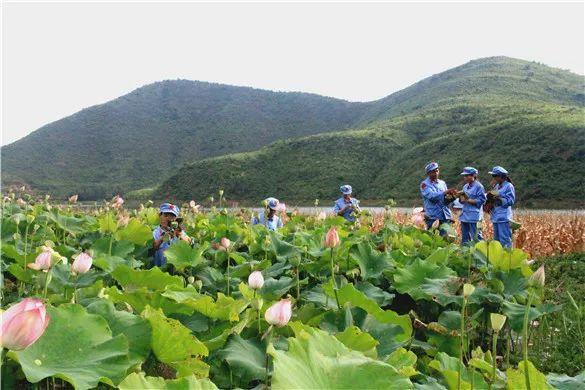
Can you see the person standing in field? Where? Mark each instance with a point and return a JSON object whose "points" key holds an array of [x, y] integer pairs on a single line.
{"points": [[503, 197], [436, 198], [346, 206], [473, 197], [167, 232], [268, 217]]}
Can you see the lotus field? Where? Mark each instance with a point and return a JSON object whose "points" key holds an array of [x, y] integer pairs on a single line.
{"points": [[320, 304]]}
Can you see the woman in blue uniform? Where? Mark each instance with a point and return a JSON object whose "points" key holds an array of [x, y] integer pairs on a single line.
{"points": [[268, 218], [436, 200], [473, 198], [503, 196]]}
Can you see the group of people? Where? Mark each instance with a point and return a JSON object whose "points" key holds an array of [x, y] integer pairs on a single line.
{"points": [[438, 199]]}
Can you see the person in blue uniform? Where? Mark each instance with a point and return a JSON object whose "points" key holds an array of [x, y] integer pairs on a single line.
{"points": [[346, 206], [472, 198], [436, 198], [165, 235], [503, 196], [268, 217]]}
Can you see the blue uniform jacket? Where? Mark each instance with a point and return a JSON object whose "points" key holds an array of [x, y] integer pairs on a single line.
{"points": [[271, 224], [434, 199], [341, 203], [473, 212], [502, 211]]}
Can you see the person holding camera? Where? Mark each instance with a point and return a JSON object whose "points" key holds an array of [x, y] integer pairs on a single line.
{"points": [[436, 198], [268, 217], [346, 206], [169, 231]]}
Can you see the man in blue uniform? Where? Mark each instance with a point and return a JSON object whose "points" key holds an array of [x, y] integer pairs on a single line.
{"points": [[436, 198], [346, 205], [503, 196], [270, 220], [473, 198]]}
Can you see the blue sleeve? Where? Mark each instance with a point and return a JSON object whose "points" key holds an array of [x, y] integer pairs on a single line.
{"points": [[431, 194], [480, 196], [336, 208], [279, 224], [255, 221], [508, 197]]}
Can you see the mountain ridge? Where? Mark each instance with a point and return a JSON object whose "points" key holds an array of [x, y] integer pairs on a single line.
{"points": [[143, 138]]}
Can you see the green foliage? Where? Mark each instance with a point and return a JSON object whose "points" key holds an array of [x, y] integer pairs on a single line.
{"points": [[316, 360], [393, 317], [139, 381]]}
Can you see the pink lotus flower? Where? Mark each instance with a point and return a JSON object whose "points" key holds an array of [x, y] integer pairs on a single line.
{"points": [[23, 324], [418, 217], [117, 201], [73, 198], [82, 263], [256, 280], [332, 238], [43, 260], [279, 314], [224, 243]]}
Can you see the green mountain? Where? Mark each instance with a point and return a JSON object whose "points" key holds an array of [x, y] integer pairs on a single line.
{"points": [[523, 115], [527, 117], [139, 139]]}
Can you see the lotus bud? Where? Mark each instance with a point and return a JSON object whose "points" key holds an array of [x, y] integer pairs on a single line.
{"points": [[198, 285], [497, 321], [279, 314], [225, 243], [332, 238], [468, 289], [149, 203], [256, 280], [537, 278], [192, 204], [23, 324], [191, 279], [42, 261], [211, 199], [73, 198], [220, 192], [316, 202], [81, 264]]}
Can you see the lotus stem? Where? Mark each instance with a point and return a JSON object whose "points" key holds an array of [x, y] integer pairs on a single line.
{"points": [[228, 273], [525, 340], [334, 282], [494, 362], [47, 281], [461, 343]]}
